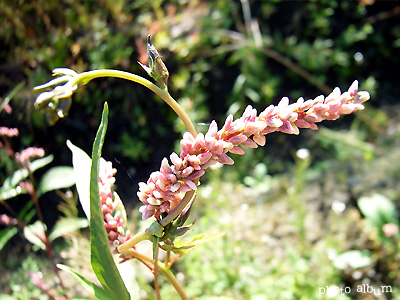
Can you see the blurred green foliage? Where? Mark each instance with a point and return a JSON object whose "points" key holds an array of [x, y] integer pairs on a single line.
{"points": [[223, 55]]}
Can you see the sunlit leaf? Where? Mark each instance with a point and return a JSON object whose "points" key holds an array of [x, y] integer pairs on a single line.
{"points": [[378, 210], [352, 259], [32, 232], [67, 226], [81, 162], [56, 178], [101, 258], [183, 246], [92, 288]]}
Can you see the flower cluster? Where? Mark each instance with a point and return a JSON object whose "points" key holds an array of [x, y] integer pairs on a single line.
{"points": [[165, 188], [9, 132], [113, 221], [28, 153]]}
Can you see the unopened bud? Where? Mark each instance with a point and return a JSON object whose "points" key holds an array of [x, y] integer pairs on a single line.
{"points": [[156, 68]]}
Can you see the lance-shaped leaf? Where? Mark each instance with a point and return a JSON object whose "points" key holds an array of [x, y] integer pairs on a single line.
{"points": [[81, 162], [183, 246], [101, 258], [95, 290], [56, 178]]}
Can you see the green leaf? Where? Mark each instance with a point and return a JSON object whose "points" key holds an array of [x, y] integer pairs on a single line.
{"points": [[56, 178], [10, 189], [183, 246], [352, 259], [67, 226], [31, 232], [101, 259], [378, 210], [81, 162], [6, 234], [157, 229], [95, 290]]}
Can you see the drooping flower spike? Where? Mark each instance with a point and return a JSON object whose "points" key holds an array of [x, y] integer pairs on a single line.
{"points": [[113, 220], [165, 188]]}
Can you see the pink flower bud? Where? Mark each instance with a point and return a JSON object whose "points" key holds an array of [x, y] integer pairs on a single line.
{"points": [[225, 159], [196, 175], [259, 139], [237, 150], [353, 88], [249, 143]]}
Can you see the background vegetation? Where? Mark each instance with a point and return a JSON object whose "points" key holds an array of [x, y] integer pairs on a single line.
{"points": [[292, 224]]}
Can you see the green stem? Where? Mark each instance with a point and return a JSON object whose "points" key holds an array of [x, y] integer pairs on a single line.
{"points": [[163, 94], [167, 272], [171, 277], [141, 236], [156, 284]]}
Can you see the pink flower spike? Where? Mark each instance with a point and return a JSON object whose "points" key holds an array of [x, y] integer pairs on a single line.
{"points": [[28, 153], [9, 132]]}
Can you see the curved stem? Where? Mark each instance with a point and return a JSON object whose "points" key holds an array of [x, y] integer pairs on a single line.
{"points": [[163, 94], [167, 272], [141, 236]]}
